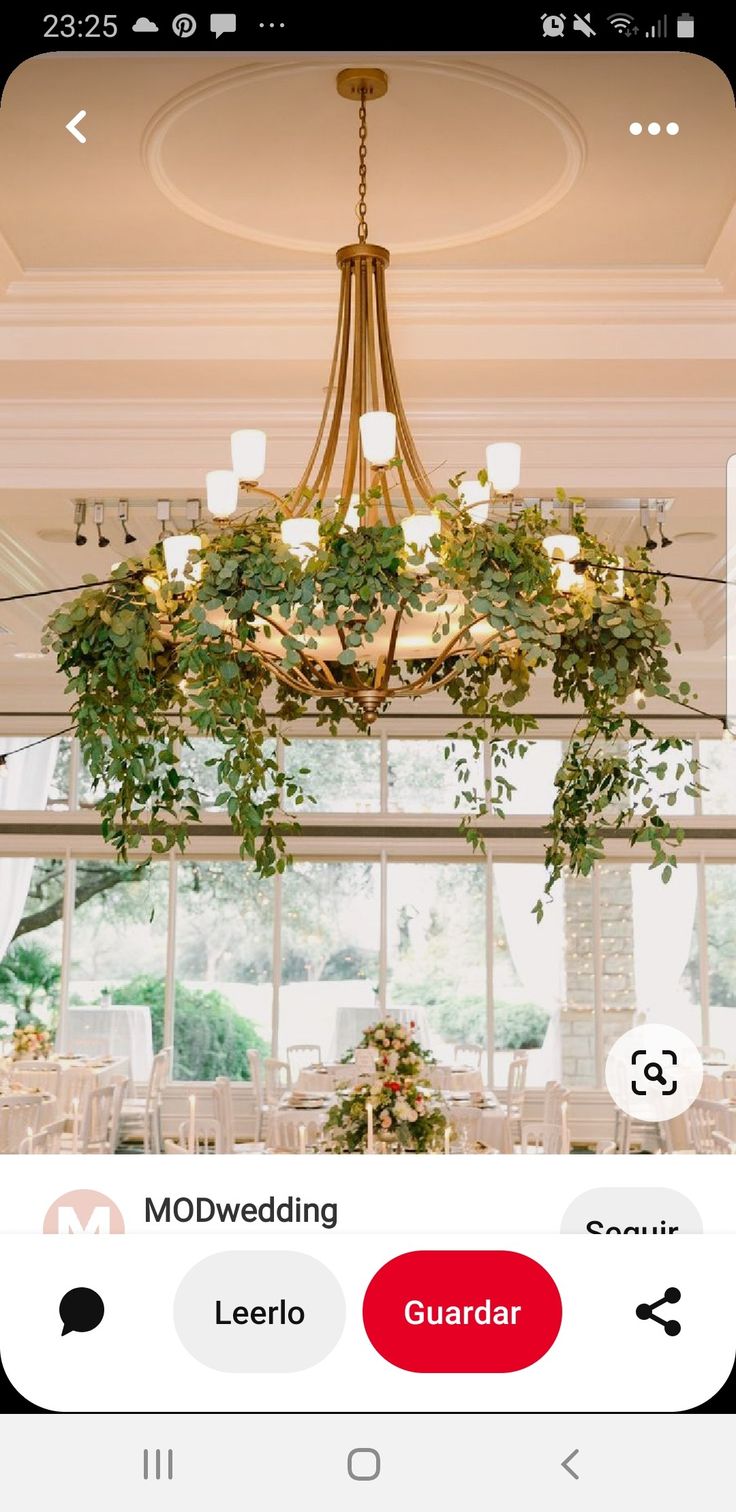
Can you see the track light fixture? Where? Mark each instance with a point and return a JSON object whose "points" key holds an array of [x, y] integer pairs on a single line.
{"points": [[163, 515], [98, 516], [80, 515], [649, 542], [663, 539], [123, 507]]}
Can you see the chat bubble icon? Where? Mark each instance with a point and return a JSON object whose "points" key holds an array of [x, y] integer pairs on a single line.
{"points": [[221, 22], [81, 1310]]}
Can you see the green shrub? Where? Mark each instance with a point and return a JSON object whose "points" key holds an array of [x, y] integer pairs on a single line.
{"points": [[210, 1038]]}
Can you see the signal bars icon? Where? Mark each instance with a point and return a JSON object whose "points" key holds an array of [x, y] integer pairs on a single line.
{"points": [[657, 32]]}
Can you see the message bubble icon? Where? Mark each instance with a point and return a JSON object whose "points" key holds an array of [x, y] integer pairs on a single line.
{"points": [[81, 1310], [222, 21]]}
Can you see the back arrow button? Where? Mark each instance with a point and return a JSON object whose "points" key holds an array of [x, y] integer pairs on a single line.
{"points": [[567, 1466], [73, 124]]}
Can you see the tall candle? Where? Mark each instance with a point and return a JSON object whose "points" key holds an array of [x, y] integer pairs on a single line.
{"points": [[75, 1124], [447, 1141], [302, 1140], [369, 1141], [192, 1122]]}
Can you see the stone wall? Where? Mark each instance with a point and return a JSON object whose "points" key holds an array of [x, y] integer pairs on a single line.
{"points": [[618, 987]]}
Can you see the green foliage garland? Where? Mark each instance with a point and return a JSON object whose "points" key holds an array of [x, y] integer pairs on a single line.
{"points": [[148, 664]]}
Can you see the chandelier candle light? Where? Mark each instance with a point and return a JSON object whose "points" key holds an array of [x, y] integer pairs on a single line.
{"points": [[362, 585]]}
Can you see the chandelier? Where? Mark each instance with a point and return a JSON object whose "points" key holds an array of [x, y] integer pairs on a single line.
{"points": [[365, 468], [362, 585]]}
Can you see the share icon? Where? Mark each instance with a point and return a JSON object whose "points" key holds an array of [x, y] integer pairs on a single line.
{"points": [[647, 1310]]}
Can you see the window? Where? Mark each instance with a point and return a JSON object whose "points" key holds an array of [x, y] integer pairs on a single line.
{"points": [[437, 951], [223, 989], [341, 776], [421, 780], [118, 961], [330, 942], [31, 907]]}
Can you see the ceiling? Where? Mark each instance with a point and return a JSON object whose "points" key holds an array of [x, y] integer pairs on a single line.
{"points": [[553, 279]]}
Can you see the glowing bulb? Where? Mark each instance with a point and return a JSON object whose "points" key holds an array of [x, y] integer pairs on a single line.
{"points": [[177, 551], [301, 536], [418, 531], [503, 465], [222, 493], [248, 449], [152, 583], [475, 500], [378, 437]]}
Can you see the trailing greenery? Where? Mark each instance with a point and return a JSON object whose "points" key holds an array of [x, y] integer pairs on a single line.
{"points": [[148, 664]]}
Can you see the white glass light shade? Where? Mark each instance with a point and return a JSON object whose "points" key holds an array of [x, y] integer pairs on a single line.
{"points": [[177, 549], [567, 578], [418, 531], [301, 536], [562, 548], [248, 449], [378, 437], [352, 518], [222, 493], [475, 498], [503, 465]]}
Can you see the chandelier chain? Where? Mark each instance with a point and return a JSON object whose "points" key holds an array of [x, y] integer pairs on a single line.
{"points": [[362, 170]]}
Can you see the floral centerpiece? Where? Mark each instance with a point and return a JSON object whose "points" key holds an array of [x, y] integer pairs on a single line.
{"points": [[31, 1042], [396, 1046], [403, 1116]]}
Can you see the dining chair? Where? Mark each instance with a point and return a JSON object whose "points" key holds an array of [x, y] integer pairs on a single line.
{"points": [[225, 1116], [300, 1056], [143, 1115], [515, 1096], [256, 1076], [702, 1120], [101, 1121], [17, 1120], [287, 1134], [468, 1057], [551, 1135], [45, 1141], [206, 1138], [277, 1080]]}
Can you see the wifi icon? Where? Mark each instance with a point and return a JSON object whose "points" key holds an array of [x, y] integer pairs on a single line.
{"points": [[622, 23]]}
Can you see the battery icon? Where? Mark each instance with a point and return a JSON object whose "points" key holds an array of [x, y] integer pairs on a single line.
{"points": [[686, 25]]}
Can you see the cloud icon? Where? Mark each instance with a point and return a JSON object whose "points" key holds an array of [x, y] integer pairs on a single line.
{"points": [[144, 25]]}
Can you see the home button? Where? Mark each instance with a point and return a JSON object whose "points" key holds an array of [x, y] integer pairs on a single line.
{"points": [[364, 1464]]}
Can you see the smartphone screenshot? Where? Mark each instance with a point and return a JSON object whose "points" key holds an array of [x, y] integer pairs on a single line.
{"points": [[367, 756]]}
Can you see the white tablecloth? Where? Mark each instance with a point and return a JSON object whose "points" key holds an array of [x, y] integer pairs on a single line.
{"points": [[447, 1079], [121, 1030], [76, 1078]]}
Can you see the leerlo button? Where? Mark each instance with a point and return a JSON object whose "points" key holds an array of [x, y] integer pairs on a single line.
{"points": [[462, 1311]]}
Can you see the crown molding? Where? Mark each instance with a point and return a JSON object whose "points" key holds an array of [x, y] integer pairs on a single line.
{"points": [[56, 297], [630, 446]]}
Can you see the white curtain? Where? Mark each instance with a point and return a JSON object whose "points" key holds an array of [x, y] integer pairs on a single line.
{"points": [[664, 914], [537, 950], [24, 784]]}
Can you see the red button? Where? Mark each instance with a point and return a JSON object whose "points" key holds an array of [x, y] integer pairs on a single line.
{"points": [[462, 1311]]}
